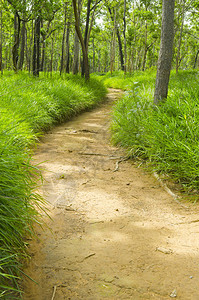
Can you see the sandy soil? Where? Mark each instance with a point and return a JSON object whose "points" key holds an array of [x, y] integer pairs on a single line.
{"points": [[113, 235]]}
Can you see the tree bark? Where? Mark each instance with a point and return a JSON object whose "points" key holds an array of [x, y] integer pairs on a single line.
{"points": [[85, 60], [119, 41], [76, 55], [180, 39], [36, 49], [68, 48], [165, 54], [93, 55], [63, 44], [15, 49], [124, 33], [84, 50], [113, 43], [196, 59], [23, 43]]}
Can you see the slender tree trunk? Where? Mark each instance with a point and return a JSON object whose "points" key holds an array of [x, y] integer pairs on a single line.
{"points": [[145, 47], [23, 43], [63, 44], [99, 61], [196, 59], [113, 44], [38, 45], [119, 41], [76, 55], [84, 50], [180, 39], [93, 55], [52, 55], [15, 49], [165, 54], [36, 49], [124, 33], [43, 54], [68, 48], [85, 60]]}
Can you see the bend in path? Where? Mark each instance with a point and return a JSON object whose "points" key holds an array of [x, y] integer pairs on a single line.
{"points": [[113, 235]]}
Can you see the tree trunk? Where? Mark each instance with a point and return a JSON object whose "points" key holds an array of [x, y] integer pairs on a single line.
{"points": [[52, 55], [36, 49], [124, 33], [84, 50], [119, 41], [180, 39], [145, 47], [196, 59], [68, 48], [63, 45], [93, 55], [76, 55], [112, 62], [15, 49], [165, 54], [85, 59], [99, 61], [23, 43]]}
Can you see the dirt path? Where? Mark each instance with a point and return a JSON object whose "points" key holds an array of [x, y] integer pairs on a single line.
{"points": [[114, 235]]}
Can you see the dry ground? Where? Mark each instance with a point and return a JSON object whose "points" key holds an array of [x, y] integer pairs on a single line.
{"points": [[113, 235]]}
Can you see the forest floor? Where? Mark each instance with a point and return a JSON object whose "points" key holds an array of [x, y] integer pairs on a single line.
{"points": [[114, 232]]}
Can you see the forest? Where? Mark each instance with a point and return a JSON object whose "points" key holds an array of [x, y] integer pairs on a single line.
{"points": [[57, 59], [40, 36]]}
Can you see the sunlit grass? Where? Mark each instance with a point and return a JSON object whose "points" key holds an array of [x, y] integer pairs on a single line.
{"points": [[167, 137], [29, 106]]}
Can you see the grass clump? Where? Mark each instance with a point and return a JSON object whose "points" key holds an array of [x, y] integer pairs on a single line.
{"points": [[167, 137], [29, 106]]}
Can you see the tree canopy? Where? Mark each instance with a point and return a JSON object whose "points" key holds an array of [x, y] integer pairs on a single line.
{"points": [[93, 35]]}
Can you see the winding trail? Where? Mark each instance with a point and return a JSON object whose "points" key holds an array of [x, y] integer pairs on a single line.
{"points": [[113, 235]]}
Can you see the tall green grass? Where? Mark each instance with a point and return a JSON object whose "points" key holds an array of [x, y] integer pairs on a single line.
{"points": [[167, 137], [29, 106]]}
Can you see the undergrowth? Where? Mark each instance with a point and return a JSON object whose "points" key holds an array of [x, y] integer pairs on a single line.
{"points": [[166, 137], [29, 106]]}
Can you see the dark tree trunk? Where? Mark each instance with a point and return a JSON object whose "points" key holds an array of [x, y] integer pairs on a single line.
{"points": [[36, 49], [196, 59], [85, 60], [124, 33], [15, 49], [63, 44], [68, 48], [23, 43], [119, 41], [165, 54]]}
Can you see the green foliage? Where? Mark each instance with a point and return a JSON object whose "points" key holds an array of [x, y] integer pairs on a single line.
{"points": [[166, 137], [27, 106]]}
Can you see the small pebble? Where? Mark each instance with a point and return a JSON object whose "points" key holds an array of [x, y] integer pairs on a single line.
{"points": [[173, 294]]}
